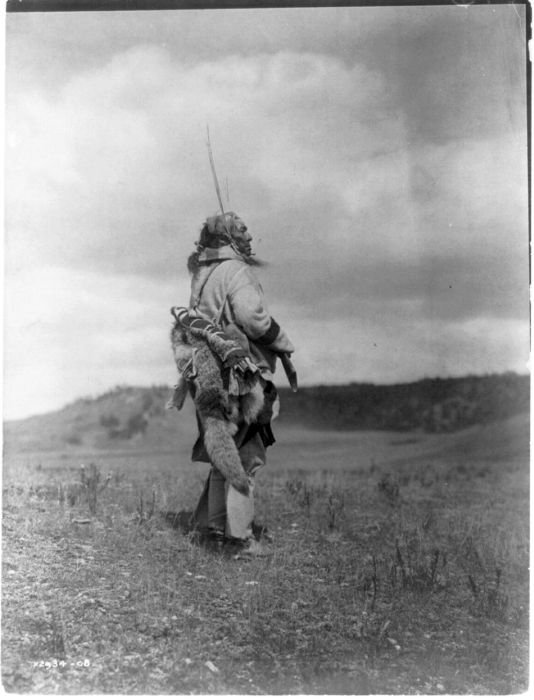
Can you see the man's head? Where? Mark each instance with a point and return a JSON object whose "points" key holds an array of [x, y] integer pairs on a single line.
{"points": [[226, 229]]}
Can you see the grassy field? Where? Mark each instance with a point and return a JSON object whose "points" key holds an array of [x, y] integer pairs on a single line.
{"points": [[400, 565]]}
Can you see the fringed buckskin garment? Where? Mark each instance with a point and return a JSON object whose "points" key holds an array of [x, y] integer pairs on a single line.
{"points": [[226, 292]]}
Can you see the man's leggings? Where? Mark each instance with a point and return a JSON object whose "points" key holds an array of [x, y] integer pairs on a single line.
{"points": [[223, 509]]}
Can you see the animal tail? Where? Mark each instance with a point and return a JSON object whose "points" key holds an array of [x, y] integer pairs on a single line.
{"points": [[223, 453]]}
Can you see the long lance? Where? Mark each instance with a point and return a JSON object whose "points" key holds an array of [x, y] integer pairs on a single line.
{"points": [[289, 368], [214, 173]]}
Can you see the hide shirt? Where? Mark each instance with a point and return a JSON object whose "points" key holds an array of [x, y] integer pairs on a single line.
{"points": [[227, 293]]}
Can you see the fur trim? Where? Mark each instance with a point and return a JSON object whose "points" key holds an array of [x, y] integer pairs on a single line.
{"points": [[209, 256], [219, 412]]}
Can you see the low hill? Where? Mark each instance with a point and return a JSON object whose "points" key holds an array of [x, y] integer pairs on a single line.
{"points": [[431, 405], [123, 418], [135, 417]]}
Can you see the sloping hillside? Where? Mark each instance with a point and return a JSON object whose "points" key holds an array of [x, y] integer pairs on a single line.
{"points": [[125, 417], [431, 405], [136, 417]]}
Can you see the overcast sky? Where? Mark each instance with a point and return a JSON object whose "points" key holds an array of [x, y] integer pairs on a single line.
{"points": [[378, 156]]}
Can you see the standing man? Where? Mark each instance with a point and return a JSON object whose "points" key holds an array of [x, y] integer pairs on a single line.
{"points": [[226, 292]]}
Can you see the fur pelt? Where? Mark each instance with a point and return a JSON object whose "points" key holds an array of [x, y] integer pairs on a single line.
{"points": [[193, 261], [219, 412]]}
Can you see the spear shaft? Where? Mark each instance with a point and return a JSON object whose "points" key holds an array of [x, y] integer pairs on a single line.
{"points": [[214, 173]]}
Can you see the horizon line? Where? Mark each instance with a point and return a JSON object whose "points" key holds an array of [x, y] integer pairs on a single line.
{"points": [[123, 387]]}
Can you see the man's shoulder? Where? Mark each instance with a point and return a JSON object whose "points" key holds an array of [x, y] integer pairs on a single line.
{"points": [[236, 270], [233, 264]]}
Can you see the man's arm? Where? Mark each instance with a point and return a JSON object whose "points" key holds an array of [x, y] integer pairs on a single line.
{"points": [[251, 313]]}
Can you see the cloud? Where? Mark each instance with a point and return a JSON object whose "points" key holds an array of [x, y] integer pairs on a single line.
{"points": [[378, 349], [74, 333], [443, 225], [380, 173], [119, 159], [462, 74], [193, 36]]}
